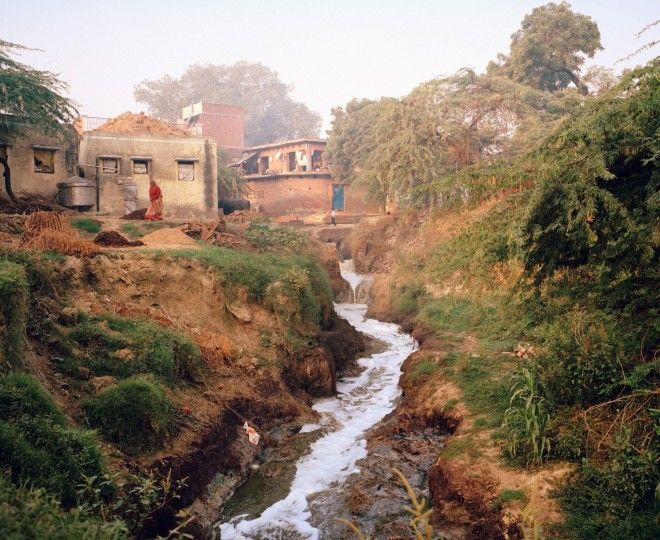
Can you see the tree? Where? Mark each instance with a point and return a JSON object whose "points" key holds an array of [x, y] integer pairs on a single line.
{"points": [[29, 98], [549, 48], [271, 113]]}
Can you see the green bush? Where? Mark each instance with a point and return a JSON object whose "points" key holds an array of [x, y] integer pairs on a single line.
{"points": [[13, 313], [136, 414], [36, 444], [261, 235], [409, 296], [257, 271], [583, 360], [27, 513], [614, 501], [21, 394], [167, 354], [86, 224]]}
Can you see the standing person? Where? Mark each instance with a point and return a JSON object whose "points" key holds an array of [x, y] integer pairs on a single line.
{"points": [[333, 217], [155, 210]]}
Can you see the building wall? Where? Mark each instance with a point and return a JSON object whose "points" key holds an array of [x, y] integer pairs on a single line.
{"points": [[20, 157], [197, 198], [302, 193], [278, 156], [225, 124]]}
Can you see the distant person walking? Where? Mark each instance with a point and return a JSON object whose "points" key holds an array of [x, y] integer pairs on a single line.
{"points": [[155, 210], [333, 217]]}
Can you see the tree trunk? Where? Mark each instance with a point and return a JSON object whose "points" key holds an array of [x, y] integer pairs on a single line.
{"points": [[582, 88], [7, 175]]}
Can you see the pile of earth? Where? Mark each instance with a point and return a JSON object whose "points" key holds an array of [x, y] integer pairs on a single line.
{"points": [[114, 239], [129, 123]]}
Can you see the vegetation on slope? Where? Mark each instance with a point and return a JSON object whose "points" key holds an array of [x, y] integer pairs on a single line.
{"points": [[570, 265]]}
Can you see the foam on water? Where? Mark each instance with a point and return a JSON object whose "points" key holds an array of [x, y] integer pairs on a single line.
{"points": [[361, 402]]}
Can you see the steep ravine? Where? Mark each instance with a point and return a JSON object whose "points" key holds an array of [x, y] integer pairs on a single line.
{"points": [[315, 495]]}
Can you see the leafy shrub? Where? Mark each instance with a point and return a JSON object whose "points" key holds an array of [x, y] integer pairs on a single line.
{"points": [[13, 312], [33, 513], [136, 414], [567, 434], [409, 296], [37, 446], [262, 235], [21, 394], [582, 363], [614, 501], [526, 420], [257, 271], [507, 495], [86, 224], [167, 354]]}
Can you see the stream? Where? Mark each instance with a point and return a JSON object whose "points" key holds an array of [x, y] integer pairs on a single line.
{"points": [[361, 402]]}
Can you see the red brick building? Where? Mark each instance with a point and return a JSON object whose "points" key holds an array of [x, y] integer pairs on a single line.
{"points": [[225, 124], [293, 177]]}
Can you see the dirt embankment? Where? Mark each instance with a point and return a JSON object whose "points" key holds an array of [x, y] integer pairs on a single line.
{"points": [[251, 373], [464, 481]]}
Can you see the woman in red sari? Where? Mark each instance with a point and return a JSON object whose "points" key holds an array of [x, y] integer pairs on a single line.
{"points": [[155, 210]]}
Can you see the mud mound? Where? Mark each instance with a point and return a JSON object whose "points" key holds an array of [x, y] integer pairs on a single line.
{"points": [[136, 214], [140, 124], [114, 239], [168, 237], [28, 204]]}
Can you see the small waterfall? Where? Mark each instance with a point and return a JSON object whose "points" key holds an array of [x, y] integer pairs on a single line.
{"points": [[360, 285]]}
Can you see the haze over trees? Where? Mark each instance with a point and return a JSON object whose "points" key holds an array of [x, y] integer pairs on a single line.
{"points": [[271, 113]]}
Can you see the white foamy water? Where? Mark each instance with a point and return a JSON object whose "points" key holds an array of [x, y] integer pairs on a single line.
{"points": [[361, 402]]}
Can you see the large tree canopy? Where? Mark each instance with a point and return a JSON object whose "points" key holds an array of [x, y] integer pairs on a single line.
{"points": [[29, 98], [549, 48], [271, 113], [412, 148]]}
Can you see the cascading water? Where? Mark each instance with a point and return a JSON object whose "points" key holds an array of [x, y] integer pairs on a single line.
{"points": [[360, 284], [360, 403]]}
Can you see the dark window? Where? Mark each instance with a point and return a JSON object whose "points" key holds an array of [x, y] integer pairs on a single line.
{"points": [[44, 161]]}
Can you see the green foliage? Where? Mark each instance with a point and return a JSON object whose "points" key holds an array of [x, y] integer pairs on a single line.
{"points": [[21, 394], [86, 224], [409, 296], [136, 503], [167, 354], [27, 513], [616, 500], [30, 97], [137, 229], [423, 368], [583, 360], [13, 313], [258, 271], [526, 420], [506, 496], [36, 444], [135, 414], [547, 51], [264, 236]]}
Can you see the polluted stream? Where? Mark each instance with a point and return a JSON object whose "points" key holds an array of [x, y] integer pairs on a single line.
{"points": [[339, 439]]}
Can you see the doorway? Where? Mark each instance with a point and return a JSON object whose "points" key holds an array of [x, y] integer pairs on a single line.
{"points": [[337, 197]]}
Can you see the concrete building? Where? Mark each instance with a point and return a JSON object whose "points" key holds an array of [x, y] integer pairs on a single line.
{"points": [[225, 124], [38, 162], [185, 168], [293, 177]]}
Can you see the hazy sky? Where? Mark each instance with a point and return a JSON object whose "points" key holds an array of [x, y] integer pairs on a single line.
{"points": [[330, 50]]}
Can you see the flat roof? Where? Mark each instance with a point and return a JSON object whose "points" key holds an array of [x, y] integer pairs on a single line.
{"points": [[285, 143]]}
